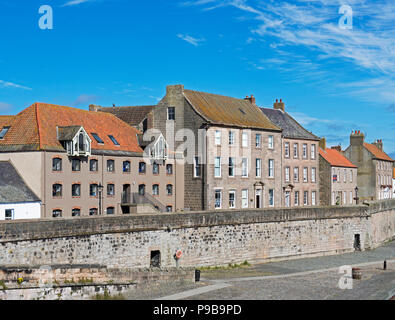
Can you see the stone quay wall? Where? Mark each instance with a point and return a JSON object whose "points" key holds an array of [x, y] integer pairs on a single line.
{"points": [[205, 238]]}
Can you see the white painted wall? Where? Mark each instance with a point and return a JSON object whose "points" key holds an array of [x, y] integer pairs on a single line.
{"points": [[26, 210]]}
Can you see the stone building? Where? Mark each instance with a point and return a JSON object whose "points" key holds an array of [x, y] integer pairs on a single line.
{"points": [[375, 167], [17, 200], [338, 177], [300, 159], [232, 151], [82, 163]]}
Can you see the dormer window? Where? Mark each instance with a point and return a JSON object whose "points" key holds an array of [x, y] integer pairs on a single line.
{"points": [[114, 141], [75, 140], [3, 132], [158, 150]]}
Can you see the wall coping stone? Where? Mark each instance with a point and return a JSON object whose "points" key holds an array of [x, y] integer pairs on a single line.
{"points": [[25, 230]]}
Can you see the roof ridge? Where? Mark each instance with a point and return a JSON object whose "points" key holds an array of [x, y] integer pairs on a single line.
{"points": [[38, 127]]}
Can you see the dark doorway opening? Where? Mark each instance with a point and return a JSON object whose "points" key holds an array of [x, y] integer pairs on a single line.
{"points": [[357, 242], [155, 259]]}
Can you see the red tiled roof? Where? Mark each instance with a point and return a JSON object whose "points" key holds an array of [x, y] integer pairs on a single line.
{"points": [[336, 159], [394, 173], [35, 128], [379, 154]]}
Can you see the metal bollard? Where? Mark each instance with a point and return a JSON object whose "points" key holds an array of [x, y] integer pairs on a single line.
{"points": [[385, 265]]}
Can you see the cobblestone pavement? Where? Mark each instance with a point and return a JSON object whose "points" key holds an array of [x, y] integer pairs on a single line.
{"points": [[311, 278]]}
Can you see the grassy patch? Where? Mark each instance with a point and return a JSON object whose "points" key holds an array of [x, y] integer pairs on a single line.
{"points": [[107, 296], [230, 266]]}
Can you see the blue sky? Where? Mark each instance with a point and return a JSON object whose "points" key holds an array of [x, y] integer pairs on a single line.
{"points": [[125, 52]]}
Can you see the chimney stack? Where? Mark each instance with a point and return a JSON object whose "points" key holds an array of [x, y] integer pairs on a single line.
{"points": [[251, 99], [357, 138], [94, 108], [323, 143], [379, 144], [279, 105]]}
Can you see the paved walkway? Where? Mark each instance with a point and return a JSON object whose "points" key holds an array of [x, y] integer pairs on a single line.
{"points": [[312, 278]]}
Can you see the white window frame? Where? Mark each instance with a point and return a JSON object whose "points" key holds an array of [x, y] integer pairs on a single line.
{"points": [[305, 198], [314, 174], [217, 191], [217, 166], [271, 142], [231, 138], [296, 150], [313, 151], [305, 174], [271, 168], [258, 140], [258, 166], [196, 164], [271, 197], [244, 167], [296, 174], [287, 174], [287, 150], [313, 198], [304, 150], [217, 137], [231, 165], [234, 199], [244, 139], [244, 199], [296, 200]]}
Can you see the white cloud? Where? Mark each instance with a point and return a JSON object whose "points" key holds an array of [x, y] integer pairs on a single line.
{"points": [[74, 2], [85, 99], [369, 48], [189, 39], [7, 84]]}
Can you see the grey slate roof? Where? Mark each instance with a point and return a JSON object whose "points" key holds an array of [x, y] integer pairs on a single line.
{"points": [[67, 133], [291, 128], [12, 187], [132, 115]]}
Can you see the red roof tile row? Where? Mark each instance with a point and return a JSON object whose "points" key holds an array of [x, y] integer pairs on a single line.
{"points": [[336, 159], [36, 127]]}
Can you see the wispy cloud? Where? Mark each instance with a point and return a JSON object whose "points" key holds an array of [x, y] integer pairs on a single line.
{"points": [[7, 84], [313, 26], [194, 41], [84, 99], [75, 2]]}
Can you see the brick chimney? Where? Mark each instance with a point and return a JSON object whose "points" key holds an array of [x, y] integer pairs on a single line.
{"points": [[94, 108], [251, 99], [357, 138], [323, 143], [279, 105], [378, 144]]}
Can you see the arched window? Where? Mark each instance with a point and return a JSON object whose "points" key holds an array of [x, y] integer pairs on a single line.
{"points": [[76, 190], [57, 190], [142, 189], [81, 142], [57, 213], [93, 212], [56, 164], [169, 189], [110, 210], [155, 189], [76, 212]]}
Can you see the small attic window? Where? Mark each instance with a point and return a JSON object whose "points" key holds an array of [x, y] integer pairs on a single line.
{"points": [[3, 132], [114, 141], [242, 111], [97, 138]]}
